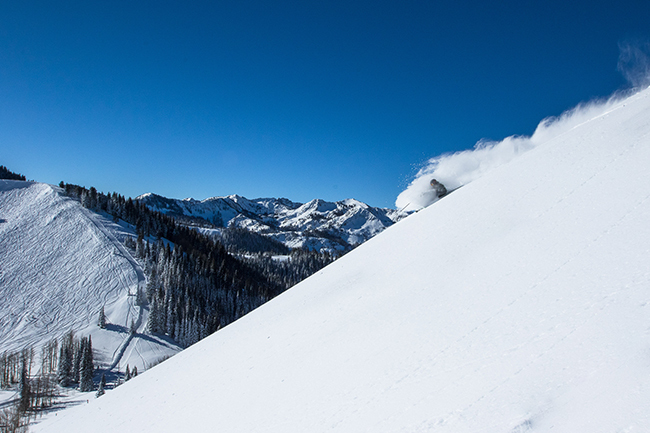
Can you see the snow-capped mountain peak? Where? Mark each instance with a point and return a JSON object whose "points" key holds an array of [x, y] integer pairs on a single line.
{"points": [[318, 224]]}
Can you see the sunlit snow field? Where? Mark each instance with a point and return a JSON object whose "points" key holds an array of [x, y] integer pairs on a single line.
{"points": [[519, 303]]}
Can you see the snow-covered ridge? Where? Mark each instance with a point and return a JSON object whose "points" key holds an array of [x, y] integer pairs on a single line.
{"points": [[55, 262], [318, 224], [59, 264], [519, 303]]}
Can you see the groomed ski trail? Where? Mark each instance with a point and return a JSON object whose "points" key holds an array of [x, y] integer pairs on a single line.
{"points": [[56, 270], [138, 310]]}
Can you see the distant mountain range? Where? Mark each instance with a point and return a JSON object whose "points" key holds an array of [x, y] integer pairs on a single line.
{"points": [[316, 225]]}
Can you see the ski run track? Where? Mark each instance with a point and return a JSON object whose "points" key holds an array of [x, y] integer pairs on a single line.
{"points": [[59, 264]]}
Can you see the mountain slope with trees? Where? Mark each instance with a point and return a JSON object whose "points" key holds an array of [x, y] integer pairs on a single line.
{"points": [[517, 304]]}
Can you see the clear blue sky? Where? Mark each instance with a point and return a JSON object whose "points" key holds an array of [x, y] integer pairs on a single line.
{"points": [[296, 99]]}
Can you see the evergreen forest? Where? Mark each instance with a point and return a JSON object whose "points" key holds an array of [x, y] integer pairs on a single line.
{"points": [[196, 283]]}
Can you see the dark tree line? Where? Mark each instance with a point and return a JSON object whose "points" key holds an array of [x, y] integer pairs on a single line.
{"points": [[191, 295], [5, 173], [241, 241], [194, 287], [149, 223], [75, 366], [16, 369], [11, 365], [292, 269], [68, 362]]}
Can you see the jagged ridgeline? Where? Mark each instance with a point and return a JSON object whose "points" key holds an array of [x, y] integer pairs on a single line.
{"points": [[334, 227], [195, 285]]}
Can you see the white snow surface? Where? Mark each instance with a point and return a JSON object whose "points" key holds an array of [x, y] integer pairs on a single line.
{"points": [[59, 264], [519, 303]]}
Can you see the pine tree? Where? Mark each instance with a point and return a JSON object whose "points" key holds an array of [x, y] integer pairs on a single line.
{"points": [[140, 298], [139, 246], [85, 199], [25, 402], [86, 369], [101, 320], [76, 360], [127, 373], [93, 198], [64, 373], [100, 389]]}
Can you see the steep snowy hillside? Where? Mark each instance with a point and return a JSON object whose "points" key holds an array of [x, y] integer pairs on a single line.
{"points": [[317, 225], [520, 303], [59, 264]]}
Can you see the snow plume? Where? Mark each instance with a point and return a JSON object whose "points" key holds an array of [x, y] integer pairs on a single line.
{"points": [[634, 62], [457, 169]]}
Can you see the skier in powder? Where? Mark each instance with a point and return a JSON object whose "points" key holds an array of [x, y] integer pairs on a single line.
{"points": [[439, 188]]}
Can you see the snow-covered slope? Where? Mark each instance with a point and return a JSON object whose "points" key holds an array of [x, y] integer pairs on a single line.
{"points": [[317, 225], [520, 303], [59, 264]]}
